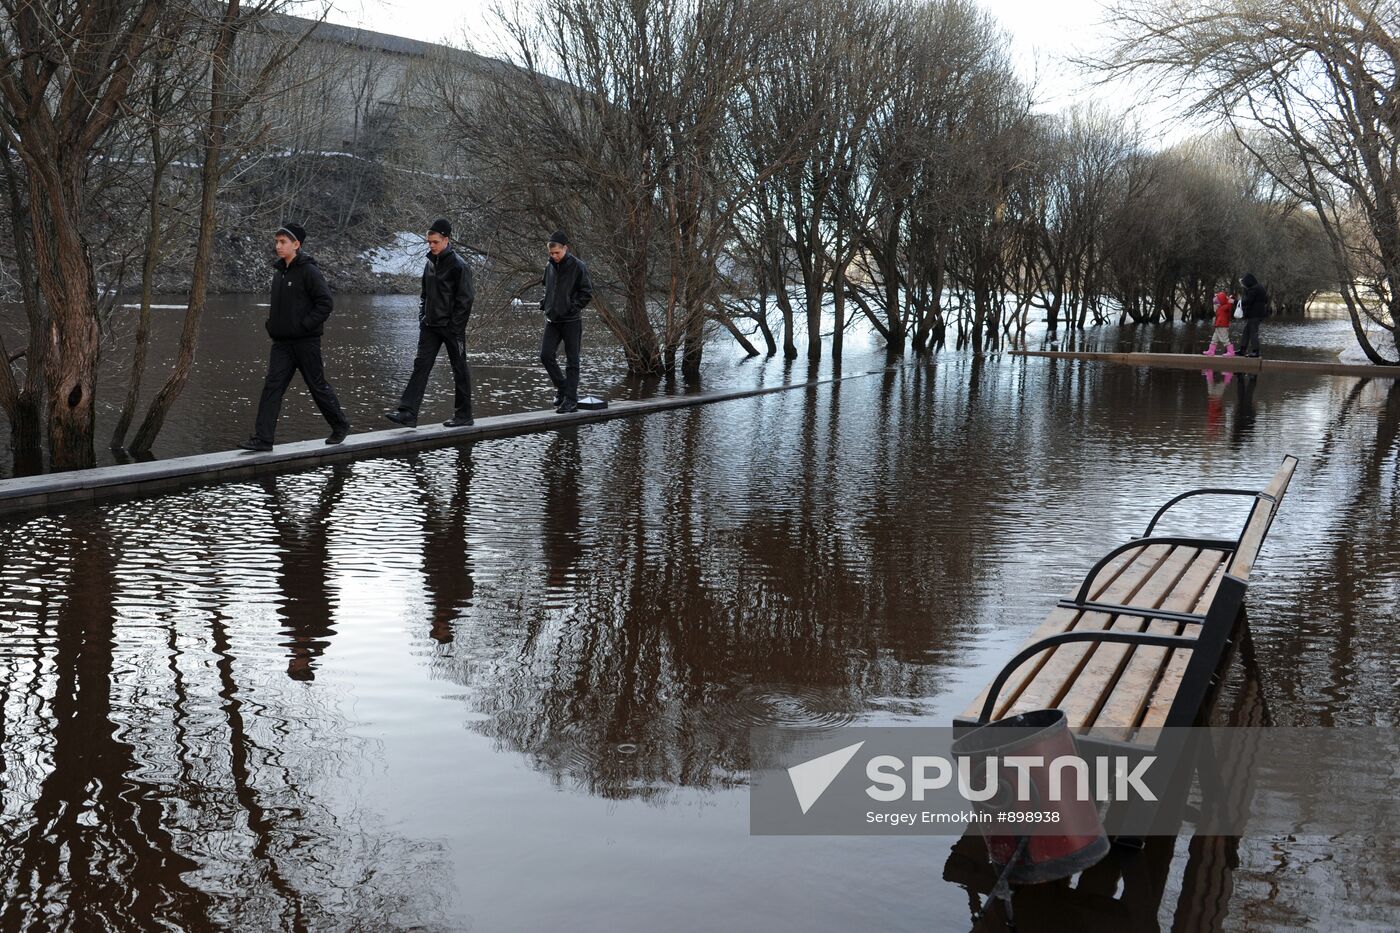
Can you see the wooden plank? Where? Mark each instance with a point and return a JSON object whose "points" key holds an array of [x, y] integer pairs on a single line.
{"points": [[1048, 685], [1083, 696], [1165, 691], [1120, 712], [1059, 620], [1260, 518]]}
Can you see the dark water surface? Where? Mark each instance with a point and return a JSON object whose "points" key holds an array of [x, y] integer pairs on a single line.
{"points": [[370, 342], [508, 686]]}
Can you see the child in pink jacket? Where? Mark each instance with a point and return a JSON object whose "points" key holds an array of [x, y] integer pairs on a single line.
{"points": [[1223, 307]]}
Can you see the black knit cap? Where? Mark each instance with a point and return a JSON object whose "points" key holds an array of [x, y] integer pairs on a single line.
{"points": [[558, 236], [295, 231], [441, 227]]}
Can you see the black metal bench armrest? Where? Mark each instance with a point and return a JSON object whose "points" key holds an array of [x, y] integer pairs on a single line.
{"points": [[1054, 641], [1214, 544], [1200, 492]]}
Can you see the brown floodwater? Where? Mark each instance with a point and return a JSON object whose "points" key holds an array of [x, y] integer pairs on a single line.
{"points": [[508, 686]]}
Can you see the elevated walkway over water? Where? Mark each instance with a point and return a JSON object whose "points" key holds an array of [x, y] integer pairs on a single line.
{"points": [[78, 487], [1235, 364]]}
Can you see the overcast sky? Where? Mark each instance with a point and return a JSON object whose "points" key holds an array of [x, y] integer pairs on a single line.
{"points": [[1045, 34]]}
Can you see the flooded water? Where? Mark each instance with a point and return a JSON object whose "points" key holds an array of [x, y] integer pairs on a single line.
{"points": [[507, 686], [370, 342]]}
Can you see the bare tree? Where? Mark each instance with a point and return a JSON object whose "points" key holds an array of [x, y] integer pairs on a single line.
{"points": [[65, 71], [1321, 80]]}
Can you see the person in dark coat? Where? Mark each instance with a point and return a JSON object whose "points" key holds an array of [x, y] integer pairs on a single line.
{"points": [[1254, 304], [567, 291], [444, 306], [296, 317]]}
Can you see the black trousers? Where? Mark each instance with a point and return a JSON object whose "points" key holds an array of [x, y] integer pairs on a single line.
{"points": [[1249, 343], [570, 333], [430, 341], [288, 357]]}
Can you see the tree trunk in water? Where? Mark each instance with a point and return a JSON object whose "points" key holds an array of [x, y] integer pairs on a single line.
{"points": [[785, 305], [839, 306], [694, 342], [22, 402], [737, 334], [70, 291], [209, 188], [814, 319], [148, 274]]}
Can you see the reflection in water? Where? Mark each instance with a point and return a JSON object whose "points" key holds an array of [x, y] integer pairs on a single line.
{"points": [[147, 782], [447, 567], [303, 543], [509, 685], [1244, 407], [93, 823]]}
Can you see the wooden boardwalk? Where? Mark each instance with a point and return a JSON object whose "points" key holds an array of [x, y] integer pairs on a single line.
{"points": [[1236, 364], [55, 490]]}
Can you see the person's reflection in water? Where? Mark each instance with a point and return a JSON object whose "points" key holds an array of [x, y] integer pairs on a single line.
{"points": [[1215, 400], [306, 568], [1244, 406], [560, 537], [447, 566]]}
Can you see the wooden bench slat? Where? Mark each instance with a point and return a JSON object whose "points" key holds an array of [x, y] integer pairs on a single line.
{"points": [[1120, 712], [1046, 687], [1081, 697], [1160, 702], [1059, 620]]}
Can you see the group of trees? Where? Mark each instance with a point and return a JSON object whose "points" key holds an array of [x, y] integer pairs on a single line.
{"points": [[776, 169], [115, 129], [816, 163], [1311, 88]]}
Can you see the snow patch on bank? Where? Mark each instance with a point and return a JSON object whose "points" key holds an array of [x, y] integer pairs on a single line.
{"points": [[403, 256]]}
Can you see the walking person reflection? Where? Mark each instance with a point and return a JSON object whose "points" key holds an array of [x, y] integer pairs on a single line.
{"points": [[304, 577], [567, 291], [444, 307], [560, 537], [448, 574], [298, 308]]}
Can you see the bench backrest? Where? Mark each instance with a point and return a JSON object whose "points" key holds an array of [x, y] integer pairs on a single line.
{"points": [[1261, 516]]}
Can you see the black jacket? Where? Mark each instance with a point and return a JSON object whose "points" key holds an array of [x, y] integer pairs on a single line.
{"points": [[567, 289], [447, 295], [1254, 303], [301, 300]]}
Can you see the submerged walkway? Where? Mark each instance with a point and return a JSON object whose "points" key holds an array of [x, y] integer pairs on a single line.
{"points": [[1235, 364], [53, 490]]}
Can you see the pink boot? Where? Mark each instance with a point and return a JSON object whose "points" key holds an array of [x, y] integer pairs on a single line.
{"points": [[1229, 349], [1210, 351]]}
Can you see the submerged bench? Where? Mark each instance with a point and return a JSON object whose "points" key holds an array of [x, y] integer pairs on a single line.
{"points": [[1137, 647]]}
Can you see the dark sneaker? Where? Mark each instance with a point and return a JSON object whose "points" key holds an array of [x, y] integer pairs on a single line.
{"points": [[338, 435], [402, 417], [457, 422], [256, 443], [568, 407], [558, 400]]}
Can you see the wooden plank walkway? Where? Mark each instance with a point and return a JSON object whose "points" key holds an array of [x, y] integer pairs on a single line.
{"points": [[1235, 364], [54, 490]]}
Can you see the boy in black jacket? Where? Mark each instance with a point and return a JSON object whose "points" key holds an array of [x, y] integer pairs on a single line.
{"points": [[444, 307], [296, 316], [567, 291]]}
